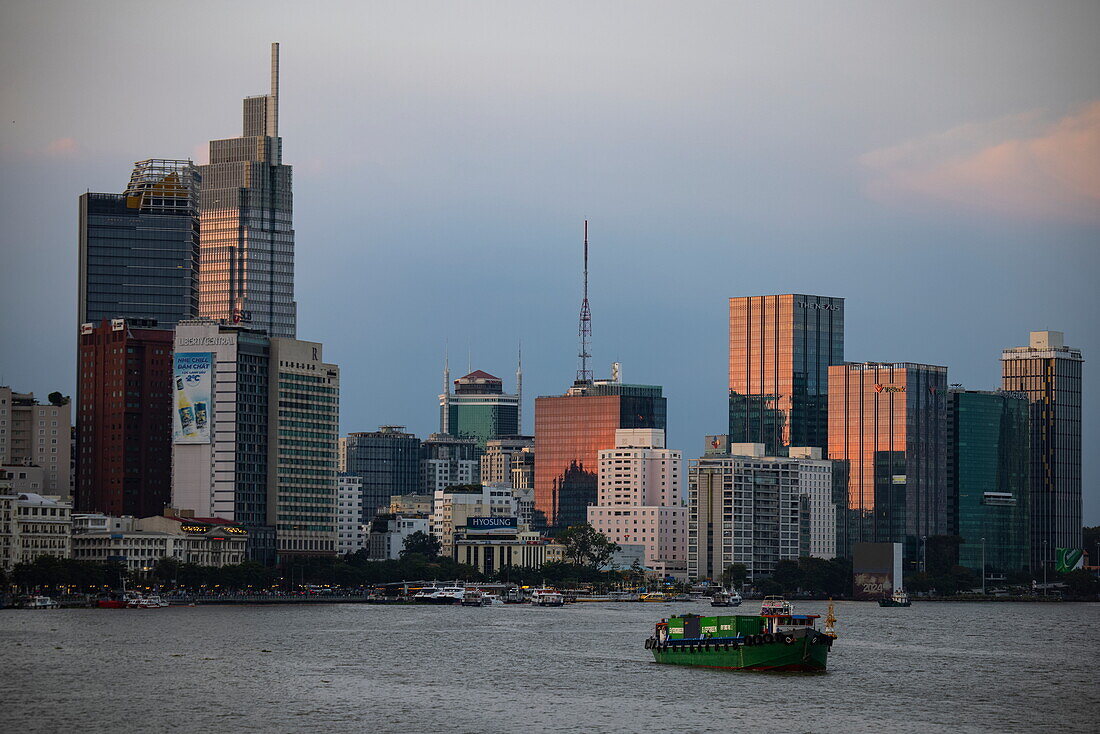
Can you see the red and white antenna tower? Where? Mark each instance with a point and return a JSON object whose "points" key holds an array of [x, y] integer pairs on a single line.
{"points": [[584, 374]]}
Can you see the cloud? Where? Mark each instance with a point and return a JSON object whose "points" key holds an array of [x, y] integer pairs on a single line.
{"points": [[60, 147], [1021, 166]]}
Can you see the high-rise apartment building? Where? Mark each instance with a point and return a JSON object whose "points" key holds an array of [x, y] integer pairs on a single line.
{"points": [[124, 418], [745, 507], [246, 272], [303, 430], [888, 423], [780, 351], [570, 431], [388, 461], [503, 456], [349, 512], [988, 442], [639, 501], [478, 408], [1049, 373], [36, 435], [139, 250], [822, 489]]}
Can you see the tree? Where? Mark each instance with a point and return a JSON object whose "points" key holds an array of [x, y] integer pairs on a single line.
{"points": [[788, 575], [58, 399], [941, 554], [1081, 584], [736, 574], [423, 544], [585, 546]]}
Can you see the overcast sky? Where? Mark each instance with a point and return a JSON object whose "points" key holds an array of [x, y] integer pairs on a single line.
{"points": [[936, 164]]}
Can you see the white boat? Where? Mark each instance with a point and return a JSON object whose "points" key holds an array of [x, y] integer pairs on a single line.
{"points": [[40, 602], [547, 598], [776, 606], [137, 601], [492, 600], [437, 595], [726, 599]]}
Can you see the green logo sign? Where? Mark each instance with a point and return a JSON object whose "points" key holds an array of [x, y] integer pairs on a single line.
{"points": [[1068, 559]]}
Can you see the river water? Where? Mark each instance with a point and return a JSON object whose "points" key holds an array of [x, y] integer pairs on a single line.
{"points": [[935, 667]]}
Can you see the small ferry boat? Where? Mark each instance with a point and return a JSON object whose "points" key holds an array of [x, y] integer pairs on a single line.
{"points": [[656, 596], [775, 640], [726, 599], [547, 598], [39, 602], [898, 599], [474, 598]]}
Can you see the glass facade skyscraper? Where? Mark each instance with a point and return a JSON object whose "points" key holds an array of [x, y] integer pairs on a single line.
{"points": [[139, 251], [480, 409], [888, 424], [570, 431], [247, 236], [988, 476], [1049, 373], [388, 461], [780, 351]]}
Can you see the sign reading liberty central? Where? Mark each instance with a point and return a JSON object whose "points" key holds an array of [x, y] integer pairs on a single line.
{"points": [[492, 524], [191, 378]]}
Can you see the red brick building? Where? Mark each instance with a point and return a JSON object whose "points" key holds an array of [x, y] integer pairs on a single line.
{"points": [[124, 418]]}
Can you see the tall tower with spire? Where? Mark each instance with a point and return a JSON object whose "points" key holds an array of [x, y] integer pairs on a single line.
{"points": [[584, 375], [246, 241]]}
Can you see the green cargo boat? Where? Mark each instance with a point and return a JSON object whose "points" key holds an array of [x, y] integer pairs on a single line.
{"points": [[775, 640]]}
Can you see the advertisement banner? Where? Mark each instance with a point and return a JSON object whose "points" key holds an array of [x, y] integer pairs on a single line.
{"points": [[192, 376], [875, 570], [1068, 559]]}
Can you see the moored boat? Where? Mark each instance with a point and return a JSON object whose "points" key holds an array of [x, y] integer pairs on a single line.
{"points": [[656, 596], [726, 599], [39, 602], [547, 598], [898, 599], [775, 640], [436, 595]]}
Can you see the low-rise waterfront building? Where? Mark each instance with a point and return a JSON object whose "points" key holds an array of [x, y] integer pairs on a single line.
{"points": [[33, 525], [454, 506], [492, 544], [388, 533], [141, 543]]}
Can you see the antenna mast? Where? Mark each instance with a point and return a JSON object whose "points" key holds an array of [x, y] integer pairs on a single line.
{"points": [[584, 374], [519, 390]]}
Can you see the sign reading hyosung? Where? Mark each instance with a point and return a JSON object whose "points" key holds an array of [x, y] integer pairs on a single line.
{"points": [[191, 378], [492, 524]]}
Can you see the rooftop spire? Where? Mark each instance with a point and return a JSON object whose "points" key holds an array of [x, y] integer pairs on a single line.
{"points": [[584, 374], [273, 97]]}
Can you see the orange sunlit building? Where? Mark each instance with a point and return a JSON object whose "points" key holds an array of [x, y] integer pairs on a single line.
{"points": [[780, 350], [888, 423], [570, 431]]}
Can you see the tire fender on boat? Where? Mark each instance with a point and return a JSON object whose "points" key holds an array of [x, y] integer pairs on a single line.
{"points": [[788, 639], [768, 637]]}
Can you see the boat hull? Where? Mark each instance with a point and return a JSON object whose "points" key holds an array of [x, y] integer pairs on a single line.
{"points": [[892, 603], [804, 654]]}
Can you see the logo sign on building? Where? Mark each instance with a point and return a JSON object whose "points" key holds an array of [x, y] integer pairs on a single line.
{"points": [[1068, 559], [879, 387], [191, 380], [492, 524]]}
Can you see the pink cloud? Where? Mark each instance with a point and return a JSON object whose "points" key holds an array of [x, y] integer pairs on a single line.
{"points": [[60, 147], [1017, 166]]}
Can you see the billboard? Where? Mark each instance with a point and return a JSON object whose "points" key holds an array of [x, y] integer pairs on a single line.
{"points": [[492, 524], [191, 380], [876, 570], [1069, 559]]}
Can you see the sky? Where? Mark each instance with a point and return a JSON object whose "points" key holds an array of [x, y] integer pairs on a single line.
{"points": [[935, 164]]}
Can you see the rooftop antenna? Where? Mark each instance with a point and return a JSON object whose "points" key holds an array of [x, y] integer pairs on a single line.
{"points": [[445, 418], [584, 374], [519, 390]]}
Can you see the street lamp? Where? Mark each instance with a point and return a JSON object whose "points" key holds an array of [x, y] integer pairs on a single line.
{"points": [[1044, 568], [924, 554], [983, 566]]}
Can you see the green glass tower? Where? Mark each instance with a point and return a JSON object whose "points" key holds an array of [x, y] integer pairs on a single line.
{"points": [[478, 408], [989, 480]]}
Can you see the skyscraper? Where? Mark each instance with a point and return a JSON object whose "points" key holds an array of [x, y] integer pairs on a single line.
{"points": [[888, 423], [780, 351], [388, 460], [988, 470], [124, 418], [478, 408], [570, 431], [139, 251], [247, 236], [1049, 373]]}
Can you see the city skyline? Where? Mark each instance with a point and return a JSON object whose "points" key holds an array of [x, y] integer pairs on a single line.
{"points": [[970, 295]]}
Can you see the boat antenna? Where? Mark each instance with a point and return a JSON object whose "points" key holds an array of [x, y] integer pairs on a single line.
{"points": [[585, 328]]}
